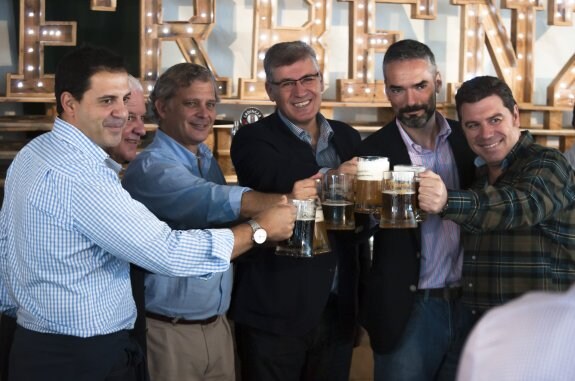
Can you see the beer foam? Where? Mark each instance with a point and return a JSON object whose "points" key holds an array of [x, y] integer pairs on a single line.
{"points": [[372, 169]]}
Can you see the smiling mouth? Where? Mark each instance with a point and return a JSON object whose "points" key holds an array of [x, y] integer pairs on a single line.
{"points": [[302, 104], [490, 146], [132, 141]]}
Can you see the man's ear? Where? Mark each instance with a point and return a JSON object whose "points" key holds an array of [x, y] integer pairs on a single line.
{"points": [[438, 82], [160, 106], [269, 90], [68, 102]]}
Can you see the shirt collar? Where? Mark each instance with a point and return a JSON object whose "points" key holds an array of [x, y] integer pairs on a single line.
{"points": [[444, 132], [325, 129], [163, 139]]}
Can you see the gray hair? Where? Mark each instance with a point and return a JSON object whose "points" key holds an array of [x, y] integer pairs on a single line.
{"points": [[286, 53]]}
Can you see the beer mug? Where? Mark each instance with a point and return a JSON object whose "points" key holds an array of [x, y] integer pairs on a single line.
{"points": [[420, 215], [337, 199], [300, 244], [370, 171], [397, 201]]}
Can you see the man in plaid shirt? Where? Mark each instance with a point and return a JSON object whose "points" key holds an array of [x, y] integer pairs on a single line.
{"points": [[519, 216]]}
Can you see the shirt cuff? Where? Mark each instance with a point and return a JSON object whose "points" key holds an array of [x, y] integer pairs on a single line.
{"points": [[222, 244], [235, 199]]}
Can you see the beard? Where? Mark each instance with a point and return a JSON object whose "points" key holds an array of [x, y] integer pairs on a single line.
{"points": [[414, 121]]}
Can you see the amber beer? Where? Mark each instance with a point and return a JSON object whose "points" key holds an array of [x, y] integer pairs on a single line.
{"points": [[300, 244], [368, 185], [396, 210], [397, 201], [420, 215]]}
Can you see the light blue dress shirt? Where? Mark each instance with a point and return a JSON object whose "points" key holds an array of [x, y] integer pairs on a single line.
{"points": [[68, 230], [167, 178]]}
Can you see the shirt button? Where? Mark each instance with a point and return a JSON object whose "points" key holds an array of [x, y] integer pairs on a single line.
{"points": [[473, 312], [418, 255], [473, 257], [412, 288], [470, 285]]}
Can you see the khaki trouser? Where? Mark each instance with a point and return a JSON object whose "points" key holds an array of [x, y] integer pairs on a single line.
{"points": [[190, 352]]}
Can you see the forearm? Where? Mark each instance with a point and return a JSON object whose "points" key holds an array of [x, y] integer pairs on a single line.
{"points": [[254, 202], [242, 239]]}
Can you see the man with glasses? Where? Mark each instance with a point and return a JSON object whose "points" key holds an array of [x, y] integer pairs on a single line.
{"points": [[295, 318]]}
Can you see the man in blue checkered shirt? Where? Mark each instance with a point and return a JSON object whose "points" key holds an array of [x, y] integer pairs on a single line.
{"points": [[68, 231]]}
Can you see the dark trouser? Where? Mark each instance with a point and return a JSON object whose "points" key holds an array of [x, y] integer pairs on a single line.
{"points": [[324, 354], [49, 357], [431, 343], [7, 328]]}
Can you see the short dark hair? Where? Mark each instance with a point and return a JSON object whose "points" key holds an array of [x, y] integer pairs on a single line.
{"points": [[76, 68], [286, 53], [408, 50], [482, 87], [178, 76]]}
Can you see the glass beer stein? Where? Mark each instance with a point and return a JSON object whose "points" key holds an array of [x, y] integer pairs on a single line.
{"points": [[368, 183], [301, 244], [420, 215], [397, 201], [337, 198]]}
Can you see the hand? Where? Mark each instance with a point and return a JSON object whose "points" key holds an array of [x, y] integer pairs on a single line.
{"points": [[349, 167], [432, 192], [278, 221], [306, 188]]}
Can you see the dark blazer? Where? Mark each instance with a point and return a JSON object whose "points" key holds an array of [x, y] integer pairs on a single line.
{"points": [[392, 281], [279, 294]]}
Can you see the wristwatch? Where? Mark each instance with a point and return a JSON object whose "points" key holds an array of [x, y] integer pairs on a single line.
{"points": [[259, 235]]}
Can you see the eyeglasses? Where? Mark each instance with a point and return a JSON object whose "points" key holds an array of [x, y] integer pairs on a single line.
{"points": [[307, 81]]}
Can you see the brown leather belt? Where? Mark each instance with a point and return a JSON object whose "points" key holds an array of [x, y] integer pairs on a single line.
{"points": [[445, 293], [177, 320]]}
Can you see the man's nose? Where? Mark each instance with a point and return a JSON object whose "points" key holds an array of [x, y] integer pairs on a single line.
{"points": [[485, 130], [140, 128], [120, 111], [410, 97]]}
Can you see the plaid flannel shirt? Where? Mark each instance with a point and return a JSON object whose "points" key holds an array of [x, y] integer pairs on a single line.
{"points": [[519, 233]]}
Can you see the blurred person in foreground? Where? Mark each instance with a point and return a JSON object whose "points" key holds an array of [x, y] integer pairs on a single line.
{"points": [[531, 338]]}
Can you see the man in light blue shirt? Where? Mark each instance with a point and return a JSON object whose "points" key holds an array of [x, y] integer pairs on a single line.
{"points": [[68, 230], [179, 180]]}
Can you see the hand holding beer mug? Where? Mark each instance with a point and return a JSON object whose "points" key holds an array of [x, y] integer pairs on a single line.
{"points": [[300, 244], [416, 169], [338, 201], [370, 171], [397, 197]]}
